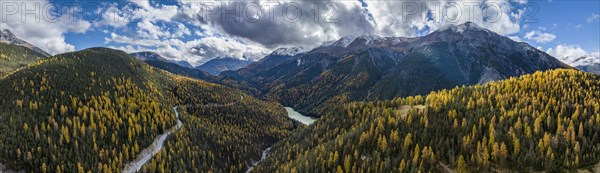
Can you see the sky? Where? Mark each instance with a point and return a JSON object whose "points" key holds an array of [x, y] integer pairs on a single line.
{"points": [[199, 30]]}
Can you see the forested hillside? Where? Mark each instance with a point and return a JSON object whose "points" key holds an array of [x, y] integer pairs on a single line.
{"points": [[223, 130], [13, 57], [96, 109], [89, 110], [543, 121]]}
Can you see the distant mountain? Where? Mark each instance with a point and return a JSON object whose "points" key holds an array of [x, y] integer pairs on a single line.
{"points": [[592, 68], [16, 53], [8, 37], [218, 65], [374, 67], [184, 64], [589, 63], [181, 68], [153, 56], [148, 56], [184, 71], [238, 79], [278, 56]]}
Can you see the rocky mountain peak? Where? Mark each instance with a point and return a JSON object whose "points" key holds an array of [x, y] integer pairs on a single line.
{"points": [[8, 37], [288, 51]]}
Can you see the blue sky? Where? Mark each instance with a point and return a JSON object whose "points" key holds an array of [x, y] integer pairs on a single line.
{"points": [[568, 20], [188, 29]]}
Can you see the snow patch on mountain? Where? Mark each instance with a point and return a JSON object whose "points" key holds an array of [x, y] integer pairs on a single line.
{"points": [[462, 27], [574, 55], [343, 42], [288, 51], [584, 60]]}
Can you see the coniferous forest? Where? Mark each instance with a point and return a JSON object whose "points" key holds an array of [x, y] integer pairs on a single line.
{"points": [[543, 121], [173, 91], [96, 109]]}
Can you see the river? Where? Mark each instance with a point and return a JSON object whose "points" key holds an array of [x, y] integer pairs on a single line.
{"points": [[297, 116], [294, 115]]}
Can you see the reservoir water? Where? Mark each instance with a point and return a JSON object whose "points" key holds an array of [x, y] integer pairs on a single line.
{"points": [[297, 116]]}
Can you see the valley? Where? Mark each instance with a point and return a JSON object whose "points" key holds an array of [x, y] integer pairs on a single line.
{"points": [[147, 153], [120, 107], [379, 68], [461, 98], [477, 128]]}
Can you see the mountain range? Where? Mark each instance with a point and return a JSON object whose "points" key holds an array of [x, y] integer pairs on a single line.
{"points": [[175, 67], [218, 65], [153, 56], [375, 68], [589, 63], [386, 104]]}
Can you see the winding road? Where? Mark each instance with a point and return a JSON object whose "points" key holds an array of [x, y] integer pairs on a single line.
{"points": [[156, 146], [263, 157]]}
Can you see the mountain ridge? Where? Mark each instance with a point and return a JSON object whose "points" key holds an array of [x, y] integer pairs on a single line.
{"points": [[375, 67], [8, 37], [589, 62], [156, 60], [16, 53], [218, 65]]}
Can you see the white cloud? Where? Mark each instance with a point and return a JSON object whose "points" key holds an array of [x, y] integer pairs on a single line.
{"points": [[521, 1], [156, 24], [113, 16], [45, 30], [564, 50], [574, 55], [540, 37], [224, 47], [392, 20], [515, 38], [196, 51], [593, 17]]}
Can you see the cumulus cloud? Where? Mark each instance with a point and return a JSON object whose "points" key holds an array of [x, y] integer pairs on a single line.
{"points": [[198, 31], [563, 50], [515, 38], [44, 28], [539, 36], [281, 23], [402, 18], [195, 51], [593, 17], [224, 47], [574, 55], [270, 27], [251, 28]]}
